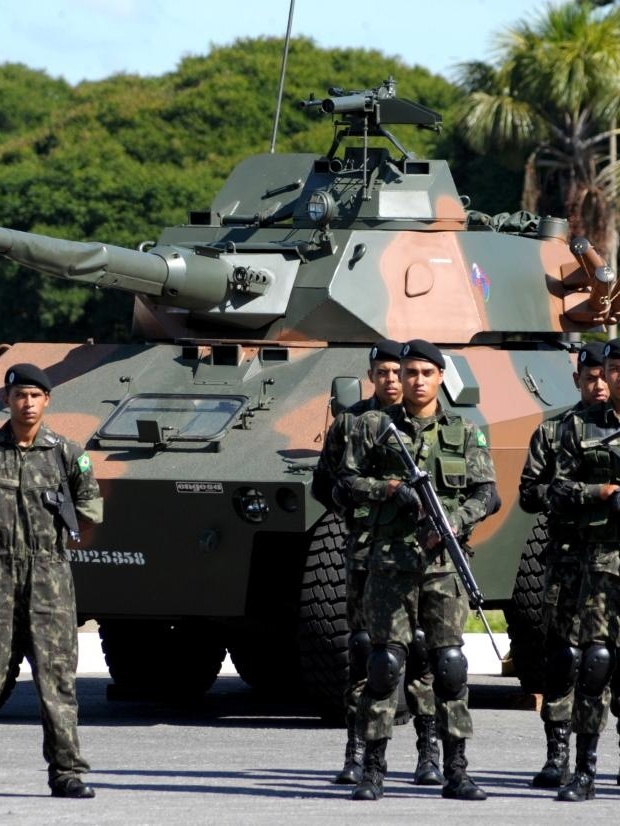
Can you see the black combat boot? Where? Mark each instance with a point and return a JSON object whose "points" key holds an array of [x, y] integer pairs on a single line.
{"points": [[555, 772], [459, 785], [581, 786], [71, 787], [353, 769], [427, 771], [375, 767]]}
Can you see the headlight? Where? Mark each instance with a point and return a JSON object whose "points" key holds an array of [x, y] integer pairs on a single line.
{"points": [[321, 207]]}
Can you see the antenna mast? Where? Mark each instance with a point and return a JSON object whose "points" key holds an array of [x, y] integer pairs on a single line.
{"points": [[282, 75]]}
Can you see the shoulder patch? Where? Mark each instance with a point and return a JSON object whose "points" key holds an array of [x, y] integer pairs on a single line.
{"points": [[83, 462], [481, 439]]}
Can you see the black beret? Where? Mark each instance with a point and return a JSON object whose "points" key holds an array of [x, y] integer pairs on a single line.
{"points": [[418, 348], [591, 354], [611, 350], [385, 350], [27, 375]]}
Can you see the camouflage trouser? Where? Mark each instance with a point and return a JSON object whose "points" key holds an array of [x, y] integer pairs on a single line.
{"points": [[599, 615], [560, 619], [395, 603], [38, 619], [419, 686]]}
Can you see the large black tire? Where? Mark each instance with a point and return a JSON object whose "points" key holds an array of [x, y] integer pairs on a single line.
{"points": [[267, 659], [323, 630], [159, 659], [524, 614]]}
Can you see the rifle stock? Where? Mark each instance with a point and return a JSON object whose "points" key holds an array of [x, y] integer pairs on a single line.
{"points": [[440, 524]]}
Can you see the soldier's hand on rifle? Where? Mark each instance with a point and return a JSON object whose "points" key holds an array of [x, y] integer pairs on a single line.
{"points": [[407, 497], [428, 536], [607, 491], [614, 503]]}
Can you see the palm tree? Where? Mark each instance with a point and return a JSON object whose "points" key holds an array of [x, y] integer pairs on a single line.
{"points": [[550, 102]]}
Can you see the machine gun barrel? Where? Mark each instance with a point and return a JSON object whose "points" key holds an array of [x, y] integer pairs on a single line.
{"points": [[312, 102], [440, 525], [175, 275], [347, 103]]}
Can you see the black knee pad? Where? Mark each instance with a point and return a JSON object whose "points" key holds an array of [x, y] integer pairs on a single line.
{"points": [[614, 685], [418, 663], [562, 670], [384, 668], [450, 671], [360, 649], [597, 666]]}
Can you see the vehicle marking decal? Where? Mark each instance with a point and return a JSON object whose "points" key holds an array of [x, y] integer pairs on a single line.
{"points": [[105, 557], [200, 487], [481, 280]]}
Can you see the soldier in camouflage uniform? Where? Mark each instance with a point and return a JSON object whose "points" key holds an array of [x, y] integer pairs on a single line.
{"points": [[384, 374], [37, 600], [412, 582], [586, 488], [563, 571]]}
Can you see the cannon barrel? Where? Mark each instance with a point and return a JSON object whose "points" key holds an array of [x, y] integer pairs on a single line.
{"points": [[175, 276]]}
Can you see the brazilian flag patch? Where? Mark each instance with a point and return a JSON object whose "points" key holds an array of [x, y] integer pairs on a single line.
{"points": [[84, 462], [481, 439]]}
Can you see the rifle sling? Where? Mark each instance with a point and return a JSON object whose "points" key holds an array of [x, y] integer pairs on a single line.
{"points": [[69, 515]]}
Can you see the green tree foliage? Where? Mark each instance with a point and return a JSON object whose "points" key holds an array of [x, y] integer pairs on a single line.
{"points": [[550, 102], [120, 159]]}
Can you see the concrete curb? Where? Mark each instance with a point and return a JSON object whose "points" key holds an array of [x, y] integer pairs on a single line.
{"points": [[480, 655]]}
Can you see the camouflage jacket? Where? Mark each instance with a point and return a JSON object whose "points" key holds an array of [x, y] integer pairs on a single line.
{"points": [[451, 448], [539, 470], [539, 467], [326, 471], [27, 524], [583, 465]]}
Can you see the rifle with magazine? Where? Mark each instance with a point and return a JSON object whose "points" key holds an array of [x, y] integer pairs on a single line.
{"points": [[439, 522]]}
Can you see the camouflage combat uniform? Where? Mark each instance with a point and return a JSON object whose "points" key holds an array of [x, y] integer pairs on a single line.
{"points": [[37, 601], [419, 689], [563, 565], [583, 466], [410, 584], [421, 699]]}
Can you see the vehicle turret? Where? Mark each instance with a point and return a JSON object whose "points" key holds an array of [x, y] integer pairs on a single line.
{"points": [[352, 245]]}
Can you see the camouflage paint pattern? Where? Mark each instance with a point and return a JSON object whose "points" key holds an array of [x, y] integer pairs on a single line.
{"points": [[582, 465], [420, 695], [37, 600], [253, 297], [395, 602], [410, 584]]}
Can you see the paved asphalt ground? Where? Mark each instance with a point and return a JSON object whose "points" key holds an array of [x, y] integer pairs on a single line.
{"points": [[242, 759]]}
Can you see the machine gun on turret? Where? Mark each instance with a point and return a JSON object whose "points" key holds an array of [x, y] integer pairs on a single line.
{"points": [[374, 106], [363, 114]]}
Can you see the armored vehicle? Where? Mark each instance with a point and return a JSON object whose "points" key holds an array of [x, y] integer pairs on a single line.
{"points": [[252, 324]]}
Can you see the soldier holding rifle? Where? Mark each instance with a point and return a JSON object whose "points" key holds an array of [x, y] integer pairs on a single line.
{"points": [[563, 570], [412, 580], [586, 489], [384, 374]]}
